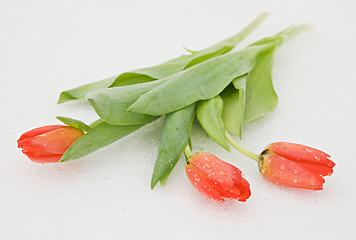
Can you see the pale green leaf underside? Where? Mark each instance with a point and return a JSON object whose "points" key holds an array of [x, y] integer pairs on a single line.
{"points": [[261, 97], [209, 114], [234, 103]]}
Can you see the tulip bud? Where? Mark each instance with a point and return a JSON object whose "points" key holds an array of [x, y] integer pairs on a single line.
{"points": [[295, 165], [47, 144], [216, 179]]}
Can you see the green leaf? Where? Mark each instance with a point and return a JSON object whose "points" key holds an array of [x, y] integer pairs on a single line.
{"points": [[165, 69], [209, 114], [225, 45], [74, 123], [111, 103], [99, 136], [234, 102], [93, 124], [174, 137], [261, 97], [79, 92], [200, 82]]}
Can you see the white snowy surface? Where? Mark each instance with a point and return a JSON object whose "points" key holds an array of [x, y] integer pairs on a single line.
{"points": [[50, 46]]}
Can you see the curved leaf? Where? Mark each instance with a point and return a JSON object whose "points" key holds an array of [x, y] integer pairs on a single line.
{"points": [[165, 69], [234, 103], [203, 81], [99, 136], [260, 95], [111, 103], [79, 92], [174, 137], [209, 114]]}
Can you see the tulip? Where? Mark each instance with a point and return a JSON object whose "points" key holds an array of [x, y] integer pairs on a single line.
{"points": [[295, 165], [290, 164], [47, 144], [216, 179]]}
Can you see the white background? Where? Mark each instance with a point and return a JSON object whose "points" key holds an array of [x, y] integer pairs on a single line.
{"points": [[50, 46]]}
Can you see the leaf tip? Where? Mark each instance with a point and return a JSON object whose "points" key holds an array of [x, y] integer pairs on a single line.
{"points": [[65, 97], [154, 182]]}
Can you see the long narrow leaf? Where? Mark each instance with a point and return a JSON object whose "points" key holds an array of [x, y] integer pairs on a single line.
{"points": [[200, 82], [165, 69], [174, 137], [99, 136], [111, 104]]}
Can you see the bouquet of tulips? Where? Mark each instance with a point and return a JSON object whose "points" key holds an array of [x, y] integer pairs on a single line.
{"points": [[222, 89]]}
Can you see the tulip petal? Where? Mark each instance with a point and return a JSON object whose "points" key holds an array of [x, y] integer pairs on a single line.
{"points": [[38, 131], [220, 172], [34, 151], [245, 191], [44, 158], [240, 191], [298, 152], [56, 141], [203, 185], [232, 193], [317, 169], [281, 171]]}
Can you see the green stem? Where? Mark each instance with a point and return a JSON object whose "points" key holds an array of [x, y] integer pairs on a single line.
{"points": [[239, 148], [187, 152]]}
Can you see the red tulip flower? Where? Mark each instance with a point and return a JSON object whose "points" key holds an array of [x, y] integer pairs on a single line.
{"points": [[47, 144], [295, 165], [216, 179]]}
